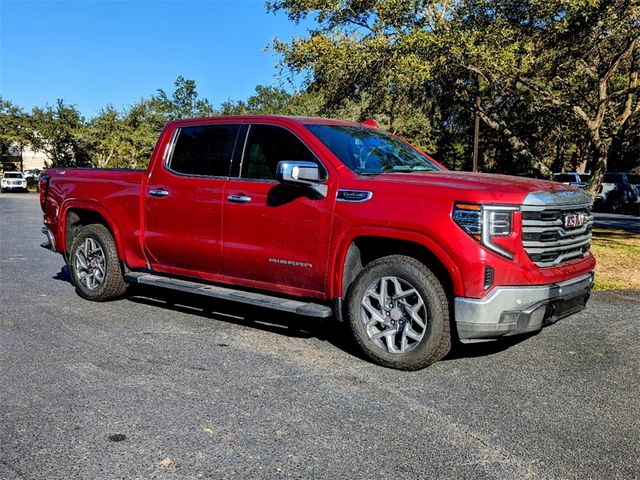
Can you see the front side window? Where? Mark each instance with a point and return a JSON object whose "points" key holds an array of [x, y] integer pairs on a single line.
{"points": [[204, 150], [266, 146], [370, 151]]}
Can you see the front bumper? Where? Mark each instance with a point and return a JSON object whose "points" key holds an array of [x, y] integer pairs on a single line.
{"points": [[510, 311]]}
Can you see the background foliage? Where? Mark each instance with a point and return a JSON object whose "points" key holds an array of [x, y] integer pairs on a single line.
{"points": [[557, 82]]}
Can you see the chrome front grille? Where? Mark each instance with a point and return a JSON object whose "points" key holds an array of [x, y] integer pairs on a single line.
{"points": [[546, 237]]}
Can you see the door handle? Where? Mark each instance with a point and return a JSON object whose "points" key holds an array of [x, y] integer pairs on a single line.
{"points": [[239, 198], [160, 192]]}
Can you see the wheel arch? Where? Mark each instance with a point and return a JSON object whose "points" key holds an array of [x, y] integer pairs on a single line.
{"points": [[361, 248], [75, 215]]}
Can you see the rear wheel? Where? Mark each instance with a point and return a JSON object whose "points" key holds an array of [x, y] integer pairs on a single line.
{"points": [[398, 313], [95, 266]]}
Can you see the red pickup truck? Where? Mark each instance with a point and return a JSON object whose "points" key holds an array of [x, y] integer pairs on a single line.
{"points": [[325, 217]]}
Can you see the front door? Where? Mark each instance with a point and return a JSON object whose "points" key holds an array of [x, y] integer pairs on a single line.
{"points": [[183, 211], [275, 236]]}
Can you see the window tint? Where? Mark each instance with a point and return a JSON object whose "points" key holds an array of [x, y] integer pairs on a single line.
{"points": [[204, 150], [266, 146]]}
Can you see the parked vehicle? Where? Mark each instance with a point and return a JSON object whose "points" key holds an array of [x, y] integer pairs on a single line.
{"points": [[619, 192], [324, 217], [32, 177], [13, 181], [40, 175], [33, 173], [572, 178]]}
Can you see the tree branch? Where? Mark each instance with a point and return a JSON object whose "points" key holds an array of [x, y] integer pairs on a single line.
{"points": [[554, 100], [519, 147]]}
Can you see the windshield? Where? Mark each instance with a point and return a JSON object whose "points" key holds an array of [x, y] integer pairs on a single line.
{"points": [[367, 151], [12, 175]]}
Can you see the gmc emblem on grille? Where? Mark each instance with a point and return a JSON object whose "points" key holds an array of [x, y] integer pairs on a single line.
{"points": [[575, 220]]}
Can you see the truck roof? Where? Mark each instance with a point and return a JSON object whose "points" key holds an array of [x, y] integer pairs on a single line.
{"points": [[266, 118]]}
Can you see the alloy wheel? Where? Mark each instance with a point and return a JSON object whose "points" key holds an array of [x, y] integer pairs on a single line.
{"points": [[90, 264], [394, 315]]}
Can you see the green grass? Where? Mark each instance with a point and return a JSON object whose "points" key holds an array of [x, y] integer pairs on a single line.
{"points": [[618, 259]]}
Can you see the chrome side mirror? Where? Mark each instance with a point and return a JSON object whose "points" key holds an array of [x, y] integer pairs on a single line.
{"points": [[304, 174]]}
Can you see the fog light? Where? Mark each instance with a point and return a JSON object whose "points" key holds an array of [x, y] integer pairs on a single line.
{"points": [[509, 317]]}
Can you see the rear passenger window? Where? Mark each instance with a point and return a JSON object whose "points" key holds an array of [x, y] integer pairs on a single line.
{"points": [[266, 146], [204, 150]]}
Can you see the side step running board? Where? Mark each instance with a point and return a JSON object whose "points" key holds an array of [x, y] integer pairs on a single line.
{"points": [[249, 298]]}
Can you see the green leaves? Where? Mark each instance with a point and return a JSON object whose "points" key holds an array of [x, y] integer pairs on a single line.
{"points": [[57, 131], [183, 102], [539, 66]]}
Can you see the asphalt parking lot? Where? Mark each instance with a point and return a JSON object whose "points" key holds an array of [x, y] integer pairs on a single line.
{"points": [[169, 386]]}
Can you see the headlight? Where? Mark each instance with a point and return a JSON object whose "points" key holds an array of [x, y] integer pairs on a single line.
{"points": [[486, 222]]}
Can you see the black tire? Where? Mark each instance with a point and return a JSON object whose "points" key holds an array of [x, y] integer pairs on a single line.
{"points": [[436, 340], [113, 284]]}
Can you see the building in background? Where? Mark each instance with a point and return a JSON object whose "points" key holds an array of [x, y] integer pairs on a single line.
{"points": [[28, 159]]}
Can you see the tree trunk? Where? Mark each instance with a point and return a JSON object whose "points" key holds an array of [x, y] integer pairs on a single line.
{"points": [[520, 149], [599, 167]]}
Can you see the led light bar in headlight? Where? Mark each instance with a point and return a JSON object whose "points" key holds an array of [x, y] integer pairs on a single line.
{"points": [[484, 222], [500, 222]]}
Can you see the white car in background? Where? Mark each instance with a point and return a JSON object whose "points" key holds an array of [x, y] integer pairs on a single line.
{"points": [[13, 181]]}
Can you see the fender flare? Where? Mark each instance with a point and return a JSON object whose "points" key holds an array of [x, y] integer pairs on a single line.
{"points": [[417, 237]]}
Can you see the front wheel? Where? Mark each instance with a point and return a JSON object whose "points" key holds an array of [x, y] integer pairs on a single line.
{"points": [[398, 313], [95, 266]]}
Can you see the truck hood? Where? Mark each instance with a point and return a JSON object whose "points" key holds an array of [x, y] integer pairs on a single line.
{"points": [[474, 181]]}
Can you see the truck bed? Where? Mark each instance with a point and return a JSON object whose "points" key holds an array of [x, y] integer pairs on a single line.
{"points": [[115, 193]]}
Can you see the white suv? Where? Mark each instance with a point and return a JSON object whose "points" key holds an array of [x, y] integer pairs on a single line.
{"points": [[13, 181]]}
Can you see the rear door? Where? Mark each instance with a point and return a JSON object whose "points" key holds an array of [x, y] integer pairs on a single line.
{"points": [[183, 214], [275, 236]]}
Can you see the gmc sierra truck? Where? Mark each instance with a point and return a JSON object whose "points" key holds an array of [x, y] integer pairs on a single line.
{"points": [[328, 218]]}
